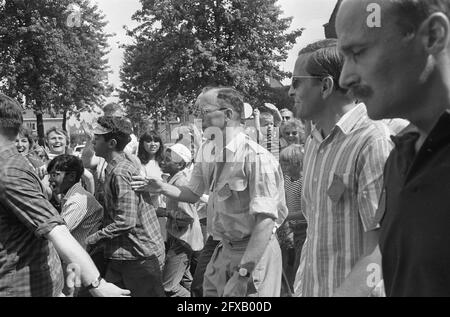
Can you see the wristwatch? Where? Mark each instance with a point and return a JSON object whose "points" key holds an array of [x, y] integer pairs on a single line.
{"points": [[94, 284], [244, 271]]}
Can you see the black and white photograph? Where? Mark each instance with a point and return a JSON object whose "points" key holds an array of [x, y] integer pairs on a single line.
{"points": [[245, 150]]}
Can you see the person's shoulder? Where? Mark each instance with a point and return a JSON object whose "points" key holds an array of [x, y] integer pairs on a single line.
{"points": [[125, 168], [375, 131], [16, 166]]}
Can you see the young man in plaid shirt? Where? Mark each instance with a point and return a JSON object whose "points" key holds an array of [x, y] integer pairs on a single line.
{"points": [[131, 235], [33, 236]]}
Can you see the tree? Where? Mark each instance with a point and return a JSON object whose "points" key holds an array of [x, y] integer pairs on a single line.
{"points": [[181, 46], [52, 53]]}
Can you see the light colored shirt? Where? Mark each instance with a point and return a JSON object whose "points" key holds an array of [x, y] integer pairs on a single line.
{"points": [[184, 223], [342, 185], [247, 184], [132, 146], [152, 169], [82, 213]]}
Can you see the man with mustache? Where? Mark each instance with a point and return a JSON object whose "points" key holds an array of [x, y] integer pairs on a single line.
{"points": [[343, 167], [401, 69]]}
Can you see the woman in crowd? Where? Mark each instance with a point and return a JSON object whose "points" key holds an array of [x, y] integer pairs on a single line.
{"points": [[25, 146], [292, 233], [150, 154]]}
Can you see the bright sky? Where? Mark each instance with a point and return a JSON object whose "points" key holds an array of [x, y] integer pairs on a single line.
{"points": [[310, 14]]}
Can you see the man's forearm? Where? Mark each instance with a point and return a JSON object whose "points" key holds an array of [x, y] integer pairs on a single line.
{"points": [[364, 277], [180, 193], [259, 240], [71, 252]]}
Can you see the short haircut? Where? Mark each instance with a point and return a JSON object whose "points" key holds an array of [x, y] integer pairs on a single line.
{"points": [[297, 125], [293, 155], [112, 109], [228, 97], [121, 130], [26, 133], [11, 118], [67, 163], [325, 60], [143, 155], [410, 14], [58, 131]]}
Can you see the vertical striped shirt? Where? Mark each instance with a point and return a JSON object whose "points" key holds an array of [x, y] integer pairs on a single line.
{"points": [[342, 185], [82, 213]]}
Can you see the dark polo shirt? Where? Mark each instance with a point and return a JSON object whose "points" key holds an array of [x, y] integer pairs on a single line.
{"points": [[415, 231]]}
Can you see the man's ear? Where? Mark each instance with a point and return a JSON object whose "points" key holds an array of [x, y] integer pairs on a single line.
{"points": [[112, 144], [327, 87], [434, 33], [71, 176], [228, 114]]}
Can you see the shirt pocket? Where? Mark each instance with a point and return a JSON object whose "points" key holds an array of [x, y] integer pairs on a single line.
{"points": [[339, 185], [234, 194]]}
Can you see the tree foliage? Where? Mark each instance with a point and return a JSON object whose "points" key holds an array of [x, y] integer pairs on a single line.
{"points": [[52, 52], [181, 46]]}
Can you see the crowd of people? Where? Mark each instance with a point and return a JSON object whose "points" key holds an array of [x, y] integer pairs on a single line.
{"points": [[345, 198]]}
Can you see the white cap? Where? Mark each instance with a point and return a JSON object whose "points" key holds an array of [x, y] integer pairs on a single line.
{"points": [[182, 151], [248, 111], [100, 130]]}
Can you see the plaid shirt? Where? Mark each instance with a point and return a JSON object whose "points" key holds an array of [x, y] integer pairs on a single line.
{"points": [[29, 264], [131, 228]]}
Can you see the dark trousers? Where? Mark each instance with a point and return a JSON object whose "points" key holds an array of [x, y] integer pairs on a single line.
{"points": [[142, 277], [177, 278], [203, 260]]}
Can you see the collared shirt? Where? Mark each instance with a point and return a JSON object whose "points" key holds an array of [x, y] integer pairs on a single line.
{"points": [[29, 264], [82, 213], [249, 183], [185, 213], [341, 190], [415, 235], [131, 230]]}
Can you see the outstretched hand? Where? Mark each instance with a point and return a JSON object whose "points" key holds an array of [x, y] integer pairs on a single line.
{"points": [[144, 184], [270, 107]]}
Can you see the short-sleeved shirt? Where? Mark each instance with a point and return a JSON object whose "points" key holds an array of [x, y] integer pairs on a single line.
{"points": [[187, 213], [82, 213], [343, 180], [250, 184], [415, 235], [29, 264], [131, 229]]}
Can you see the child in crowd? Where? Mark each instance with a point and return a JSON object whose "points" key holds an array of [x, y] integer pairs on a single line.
{"points": [[292, 233]]}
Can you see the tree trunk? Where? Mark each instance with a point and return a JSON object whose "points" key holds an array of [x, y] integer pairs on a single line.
{"points": [[40, 127], [64, 123]]}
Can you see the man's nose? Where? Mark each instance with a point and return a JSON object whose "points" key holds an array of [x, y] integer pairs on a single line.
{"points": [[291, 91], [349, 76]]}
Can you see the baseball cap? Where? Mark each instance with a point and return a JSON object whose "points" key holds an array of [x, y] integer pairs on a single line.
{"points": [[100, 130], [182, 151]]}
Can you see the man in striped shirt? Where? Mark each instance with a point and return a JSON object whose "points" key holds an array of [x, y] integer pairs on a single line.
{"points": [[343, 167], [82, 213]]}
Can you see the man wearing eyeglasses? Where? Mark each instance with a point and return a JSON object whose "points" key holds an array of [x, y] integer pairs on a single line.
{"points": [[344, 159], [246, 201]]}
